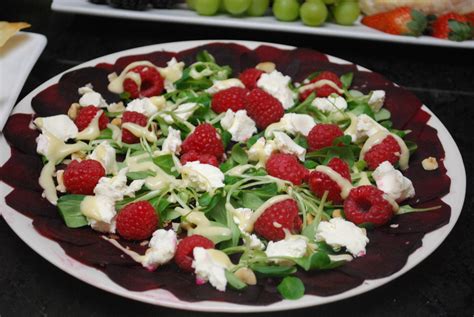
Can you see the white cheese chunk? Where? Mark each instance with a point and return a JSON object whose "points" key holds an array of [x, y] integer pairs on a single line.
{"points": [[202, 177], [376, 100], [116, 187], [91, 98], [277, 85], [286, 145], [183, 112], [208, 268], [239, 125], [142, 105], [60, 126], [365, 127], [292, 123], [172, 143], [161, 248], [224, 84], [332, 103], [392, 182], [105, 154], [293, 246]]}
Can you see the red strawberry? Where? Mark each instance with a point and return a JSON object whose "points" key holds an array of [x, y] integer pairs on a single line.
{"points": [[387, 150], [152, 84], [137, 221], [205, 158], [323, 135], [204, 140], [82, 177], [400, 21], [324, 90], [133, 117], [279, 216], [320, 182], [87, 114], [452, 26], [184, 252], [366, 204], [263, 108], [231, 98], [287, 167], [249, 77]]}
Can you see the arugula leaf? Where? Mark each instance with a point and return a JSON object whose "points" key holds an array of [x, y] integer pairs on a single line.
{"points": [[272, 270], [254, 139], [291, 287], [266, 191], [70, 209], [346, 80], [251, 200], [166, 163], [238, 154], [226, 137], [310, 164], [360, 107], [205, 57], [227, 165], [140, 175], [218, 212], [382, 114], [233, 281], [316, 261], [105, 134], [301, 141]]}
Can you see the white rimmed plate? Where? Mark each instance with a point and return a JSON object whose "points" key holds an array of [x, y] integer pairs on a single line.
{"points": [[51, 250]]}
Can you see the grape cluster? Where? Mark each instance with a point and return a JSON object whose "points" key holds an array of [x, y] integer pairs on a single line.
{"points": [[311, 12]]}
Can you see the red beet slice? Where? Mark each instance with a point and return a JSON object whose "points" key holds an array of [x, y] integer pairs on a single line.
{"points": [[31, 204], [18, 124], [22, 171]]}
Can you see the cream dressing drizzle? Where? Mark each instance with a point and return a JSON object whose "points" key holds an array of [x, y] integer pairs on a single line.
{"points": [[319, 84], [343, 183], [378, 138]]}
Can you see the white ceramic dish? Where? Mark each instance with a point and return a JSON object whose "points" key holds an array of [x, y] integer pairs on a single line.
{"points": [[51, 251], [183, 15], [17, 58]]}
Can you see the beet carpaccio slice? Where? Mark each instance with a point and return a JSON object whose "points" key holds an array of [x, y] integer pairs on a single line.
{"points": [[389, 246]]}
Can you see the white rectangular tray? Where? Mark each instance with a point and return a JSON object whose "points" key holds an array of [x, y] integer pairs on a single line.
{"points": [[183, 15]]}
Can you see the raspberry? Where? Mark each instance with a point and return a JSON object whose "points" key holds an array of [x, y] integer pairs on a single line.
{"points": [[366, 204], [387, 150], [279, 216], [204, 140], [87, 114], [184, 252], [152, 84], [231, 98], [82, 177], [203, 158], [320, 182], [133, 117], [287, 167], [137, 221], [325, 90], [249, 77], [263, 108], [323, 135]]}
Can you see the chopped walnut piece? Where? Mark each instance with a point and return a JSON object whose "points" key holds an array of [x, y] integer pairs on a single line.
{"points": [[246, 275], [266, 67], [430, 163], [73, 111]]}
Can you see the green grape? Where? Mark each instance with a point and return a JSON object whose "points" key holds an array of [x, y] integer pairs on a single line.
{"points": [[258, 7], [327, 1], [191, 4], [286, 10], [313, 13], [206, 7], [237, 7], [346, 12]]}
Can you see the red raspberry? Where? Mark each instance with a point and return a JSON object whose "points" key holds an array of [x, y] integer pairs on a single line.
{"points": [[133, 117], [287, 167], [204, 140], [85, 116], [325, 90], [323, 135], [320, 182], [205, 158], [366, 204], [137, 221], [231, 98], [263, 108], [249, 77], [82, 177], [152, 84], [184, 252], [284, 215], [387, 150]]}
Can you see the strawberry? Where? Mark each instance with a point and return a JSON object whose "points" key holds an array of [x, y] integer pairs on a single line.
{"points": [[287, 167], [184, 252], [249, 77], [137, 221], [366, 204], [320, 182], [324, 90], [231, 98], [387, 150], [82, 177], [323, 135], [87, 114], [263, 108], [400, 21], [202, 158], [152, 84], [204, 140], [133, 117], [275, 219], [452, 26]]}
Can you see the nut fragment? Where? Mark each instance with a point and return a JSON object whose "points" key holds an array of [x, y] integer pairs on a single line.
{"points": [[116, 107], [79, 155], [337, 213], [266, 67], [73, 110], [117, 122], [246, 275], [430, 163], [60, 179], [309, 218]]}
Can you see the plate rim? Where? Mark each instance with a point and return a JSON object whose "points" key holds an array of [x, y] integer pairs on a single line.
{"points": [[162, 297]]}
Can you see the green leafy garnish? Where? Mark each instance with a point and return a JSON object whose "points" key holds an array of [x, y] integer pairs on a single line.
{"points": [[291, 288], [70, 209]]}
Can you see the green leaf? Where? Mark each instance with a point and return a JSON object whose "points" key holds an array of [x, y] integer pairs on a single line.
{"points": [[105, 134], [238, 154], [316, 261], [266, 191], [310, 164], [70, 209], [140, 175], [412, 146], [254, 139], [218, 213], [251, 200], [301, 141], [226, 137], [406, 209], [382, 114], [125, 96], [344, 139], [205, 57], [227, 165], [166, 163], [360, 107], [360, 165], [272, 270], [233, 281], [291, 288], [346, 80]]}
